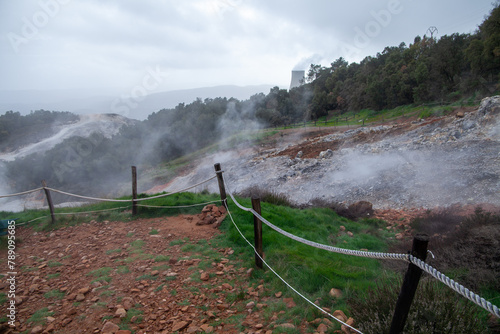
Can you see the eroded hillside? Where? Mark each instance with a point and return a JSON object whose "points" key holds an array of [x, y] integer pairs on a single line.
{"points": [[413, 163]]}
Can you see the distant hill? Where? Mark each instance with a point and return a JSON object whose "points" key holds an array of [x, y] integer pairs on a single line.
{"points": [[105, 125], [84, 102]]}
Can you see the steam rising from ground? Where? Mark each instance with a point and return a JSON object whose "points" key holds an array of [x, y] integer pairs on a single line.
{"points": [[437, 164], [431, 164], [235, 122]]}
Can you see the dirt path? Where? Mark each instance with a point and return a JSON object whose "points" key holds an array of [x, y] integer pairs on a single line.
{"points": [[158, 275]]}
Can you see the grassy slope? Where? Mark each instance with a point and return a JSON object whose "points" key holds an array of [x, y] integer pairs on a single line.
{"points": [[312, 271]]}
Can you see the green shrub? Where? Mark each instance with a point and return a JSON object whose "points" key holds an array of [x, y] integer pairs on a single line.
{"points": [[435, 309], [425, 113], [465, 246], [268, 196], [432, 222]]}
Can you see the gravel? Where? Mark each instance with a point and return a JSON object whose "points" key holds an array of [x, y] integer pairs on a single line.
{"points": [[425, 163]]}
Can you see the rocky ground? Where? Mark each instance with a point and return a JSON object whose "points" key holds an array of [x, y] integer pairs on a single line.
{"points": [[164, 275], [160, 275], [435, 162]]}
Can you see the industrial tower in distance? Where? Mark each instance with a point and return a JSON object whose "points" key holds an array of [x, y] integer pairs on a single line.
{"points": [[297, 78]]}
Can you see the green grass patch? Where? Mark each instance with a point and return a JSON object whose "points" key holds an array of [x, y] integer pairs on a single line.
{"points": [[122, 270], [101, 274], [54, 264], [314, 270], [136, 246], [162, 258], [147, 277], [160, 287], [28, 269], [204, 265], [52, 276], [131, 313], [107, 293], [202, 247], [112, 251], [232, 297], [54, 294], [195, 290], [178, 242], [138, 257], [43, 222], [40, 316], [162, 267], [154, 232], [185, 302], [4, 243]]}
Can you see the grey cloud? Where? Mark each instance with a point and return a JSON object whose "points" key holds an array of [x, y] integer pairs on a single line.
{"points": [[110, 43]]}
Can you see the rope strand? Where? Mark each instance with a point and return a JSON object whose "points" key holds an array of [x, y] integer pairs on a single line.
{"points": [[22, 193], [283, 280], [128, 200], [379, 255]]}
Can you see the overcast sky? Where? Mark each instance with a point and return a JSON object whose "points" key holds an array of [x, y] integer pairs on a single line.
{"points": [[158, 45]]}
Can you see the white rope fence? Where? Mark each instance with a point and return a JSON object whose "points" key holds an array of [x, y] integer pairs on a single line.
{"points": [[72, 213], [129, 200], [88, 197], [177, 206], [283, 280], [475, 298], [22, 193], [373, 255], [478, 300], [114, 200]]}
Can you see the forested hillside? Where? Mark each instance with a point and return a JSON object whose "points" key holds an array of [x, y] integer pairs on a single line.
{"points": [[17, 130], [448, 69], [445, 69]]}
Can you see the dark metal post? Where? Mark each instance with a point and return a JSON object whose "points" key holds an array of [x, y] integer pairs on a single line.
{"points": [[222, 188], [410, 283], [49, 201], [134, 190], [257, 229]]}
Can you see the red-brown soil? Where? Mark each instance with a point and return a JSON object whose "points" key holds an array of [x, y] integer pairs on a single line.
{"points": [[185, 291]]}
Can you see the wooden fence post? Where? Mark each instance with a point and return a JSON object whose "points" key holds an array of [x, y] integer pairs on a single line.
{"points": [[49, 201], [134, 190], [257, 231], [410, 283], [222, 188]]}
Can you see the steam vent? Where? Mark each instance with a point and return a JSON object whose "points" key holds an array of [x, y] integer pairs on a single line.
{"points": [[297, 78]]}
